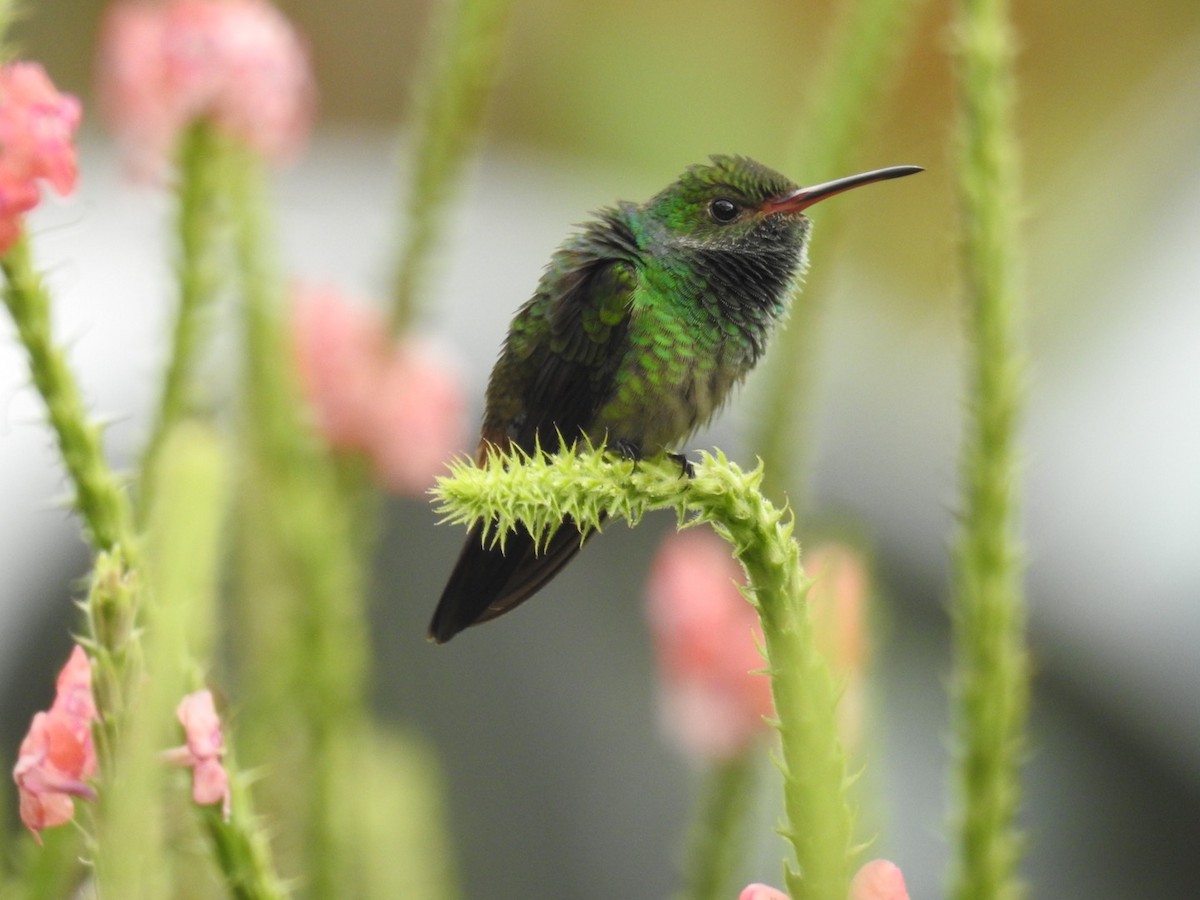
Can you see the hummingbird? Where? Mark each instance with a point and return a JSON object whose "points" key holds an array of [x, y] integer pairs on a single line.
{"points": [[640, 326]]}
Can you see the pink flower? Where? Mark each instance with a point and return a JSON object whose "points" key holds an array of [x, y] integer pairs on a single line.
{"points": [[837, 602], [237, 63], [73, 690], [879, 880], [58, 756], [420, 419], [203, 751], [37, 129], [339, 349], [401, 406], [706, 636], [761, 892]]}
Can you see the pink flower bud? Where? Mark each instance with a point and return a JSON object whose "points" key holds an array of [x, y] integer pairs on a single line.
{"points": [[57, 756], [204, 747], [74, 688], [706, 636], [879, 880], [761, 892], [37, 131]]}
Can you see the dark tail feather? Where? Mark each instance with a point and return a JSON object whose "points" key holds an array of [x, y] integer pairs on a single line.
{"points": [[487, 583]]}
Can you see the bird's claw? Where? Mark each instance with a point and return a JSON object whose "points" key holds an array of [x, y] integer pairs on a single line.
{"points": [[686, 469], [628, 450]]}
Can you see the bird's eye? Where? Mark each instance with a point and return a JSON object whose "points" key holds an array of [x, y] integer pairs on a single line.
{"points": [[723, 210]]}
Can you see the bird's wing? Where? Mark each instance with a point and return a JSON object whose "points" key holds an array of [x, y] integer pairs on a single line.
{"points": [[556, 369], [560, 360]]}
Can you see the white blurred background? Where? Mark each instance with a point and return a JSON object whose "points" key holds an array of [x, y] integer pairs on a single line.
{"points": [[560, 784]]}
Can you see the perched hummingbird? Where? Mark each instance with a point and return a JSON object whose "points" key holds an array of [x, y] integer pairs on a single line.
{"points": [[640, 325]]}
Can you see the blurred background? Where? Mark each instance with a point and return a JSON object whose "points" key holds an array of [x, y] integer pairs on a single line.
{"points": [[560, 782]]}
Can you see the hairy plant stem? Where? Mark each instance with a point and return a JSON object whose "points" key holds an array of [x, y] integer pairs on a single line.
{"points": [[116, 593], [199, 219], [101, 502], [991, 669], [453, 97], [716, 843], [111, 607]]}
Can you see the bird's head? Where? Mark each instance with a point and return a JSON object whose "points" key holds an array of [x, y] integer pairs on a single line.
{"points": [[735, 203]]}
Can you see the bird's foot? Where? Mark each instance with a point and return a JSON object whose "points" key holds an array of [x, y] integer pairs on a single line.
{"points": [[628, 450], [686, 469]]}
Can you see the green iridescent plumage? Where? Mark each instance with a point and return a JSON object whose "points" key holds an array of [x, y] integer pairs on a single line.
{"points": [[641, 324]]}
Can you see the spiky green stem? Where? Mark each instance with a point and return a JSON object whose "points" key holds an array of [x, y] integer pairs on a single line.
{"points": [[111, 607], [99, 498], [868, 39], [181, 551], [115, 595], [539, 492], [716, 843], [199, 218], [455, 91], [991, 667], [241, 845], [113, 642], [184, 547]]}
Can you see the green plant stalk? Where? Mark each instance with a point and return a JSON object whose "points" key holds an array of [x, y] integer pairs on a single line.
{"points": [[184, 543], [241, 844], [181, 550], [199, 220], [539, 492], [184, 547], [408, 852], [716, 844], [101, 502], [113, 642], [868, 40], [991, 670], [305, 628], [112, 606], [107, 516], [455, 90]]}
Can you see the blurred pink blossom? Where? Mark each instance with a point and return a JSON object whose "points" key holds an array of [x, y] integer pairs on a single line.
{"points": [[203, 751], [706, 635], [420, 419], [238, 63], [37, 130], [58, 756], [402, 406], [879, 880], [339, 346], [761, 892]]}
